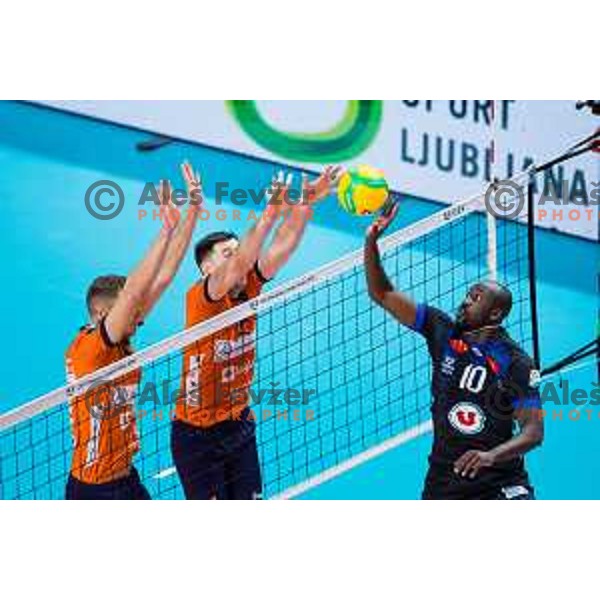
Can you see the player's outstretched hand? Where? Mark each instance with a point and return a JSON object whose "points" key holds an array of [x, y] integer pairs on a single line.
{"points": [[383, 221], [319, 188], [471, 462], [193, 182], [277, 194], [170, 213]]}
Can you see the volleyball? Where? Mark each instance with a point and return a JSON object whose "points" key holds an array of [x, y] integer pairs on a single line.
{"points": [[362, 190]]}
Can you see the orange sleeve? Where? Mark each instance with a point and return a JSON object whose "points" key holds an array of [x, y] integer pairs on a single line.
{"points": [[255, 282], [91, 351], [199, 306]]}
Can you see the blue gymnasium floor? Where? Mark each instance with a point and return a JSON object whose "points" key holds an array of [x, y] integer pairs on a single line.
{"points": [[53, 248]]}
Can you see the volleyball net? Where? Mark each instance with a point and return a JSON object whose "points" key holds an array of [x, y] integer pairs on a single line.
{"points": [[336, 380]]}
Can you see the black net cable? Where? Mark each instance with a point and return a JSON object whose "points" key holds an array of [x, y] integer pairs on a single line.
{"points": [[590, 349]]}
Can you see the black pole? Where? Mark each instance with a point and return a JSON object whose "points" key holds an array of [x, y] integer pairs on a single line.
{"points": [[532, 274], [577, 150], [587, 350], [563, 158]]}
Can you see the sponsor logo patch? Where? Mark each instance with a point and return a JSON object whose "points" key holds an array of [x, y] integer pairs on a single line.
{"points": [[226, 350], [467, 418]]}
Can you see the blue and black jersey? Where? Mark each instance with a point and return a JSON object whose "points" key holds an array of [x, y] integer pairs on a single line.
{"points": [[476, 389]]}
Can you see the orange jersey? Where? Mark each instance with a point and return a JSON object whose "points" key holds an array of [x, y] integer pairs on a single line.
{"points": [[219, 368], [102, 419]]}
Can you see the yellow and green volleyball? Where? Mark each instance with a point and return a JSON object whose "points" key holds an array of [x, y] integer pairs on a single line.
{"points": [[362, 190]]}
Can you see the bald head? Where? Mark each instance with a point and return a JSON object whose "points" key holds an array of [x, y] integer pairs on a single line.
{"points": [[486, 303], [501, 298]]}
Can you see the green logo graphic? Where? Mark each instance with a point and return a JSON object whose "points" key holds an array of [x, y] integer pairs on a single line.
{"points": [[353, 134]]}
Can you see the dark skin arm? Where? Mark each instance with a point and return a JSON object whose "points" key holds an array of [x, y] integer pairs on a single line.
{"points": [[380, 288], [530, 436]]}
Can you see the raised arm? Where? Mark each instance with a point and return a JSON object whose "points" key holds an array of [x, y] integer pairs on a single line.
{"points": [[380, 288], [290, 232], [319, 188], [228, 274], [180, 238], [128, 308]]}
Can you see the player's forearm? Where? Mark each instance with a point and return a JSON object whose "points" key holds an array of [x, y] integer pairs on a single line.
{"points": [[401, 306], [377, 279], [172, 261], [129, 307], [286, 240], [530, 437], [177, 249], [225, 277], [141, 278], [252, 243]]}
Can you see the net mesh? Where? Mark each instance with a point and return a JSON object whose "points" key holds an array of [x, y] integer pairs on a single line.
{"points": [[348, 376]]}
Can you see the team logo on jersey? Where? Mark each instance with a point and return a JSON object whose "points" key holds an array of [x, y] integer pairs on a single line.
{"points": [[467, 418], [534, 378], [226, 350]]}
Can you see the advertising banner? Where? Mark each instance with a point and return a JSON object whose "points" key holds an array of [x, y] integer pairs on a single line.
{"points": [[436, 149]]}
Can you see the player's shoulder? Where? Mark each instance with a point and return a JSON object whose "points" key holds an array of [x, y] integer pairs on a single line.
{"points": [[82, 334], [432, 316], [438, 313], [199, 304], [195, 290], [516, 351], [86, 337], [198, 293], [518, 357]]}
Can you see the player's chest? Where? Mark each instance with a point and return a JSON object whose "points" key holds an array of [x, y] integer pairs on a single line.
{"points": [[466, 367], [467, 381], [235, 342]]}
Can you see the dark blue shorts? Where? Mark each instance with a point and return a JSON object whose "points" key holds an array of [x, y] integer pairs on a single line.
{"points": [[127, 488], [218, 462]]}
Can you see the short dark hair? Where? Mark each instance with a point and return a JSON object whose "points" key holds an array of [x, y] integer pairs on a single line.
{"points": [[207, 243], [105, 285]]}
